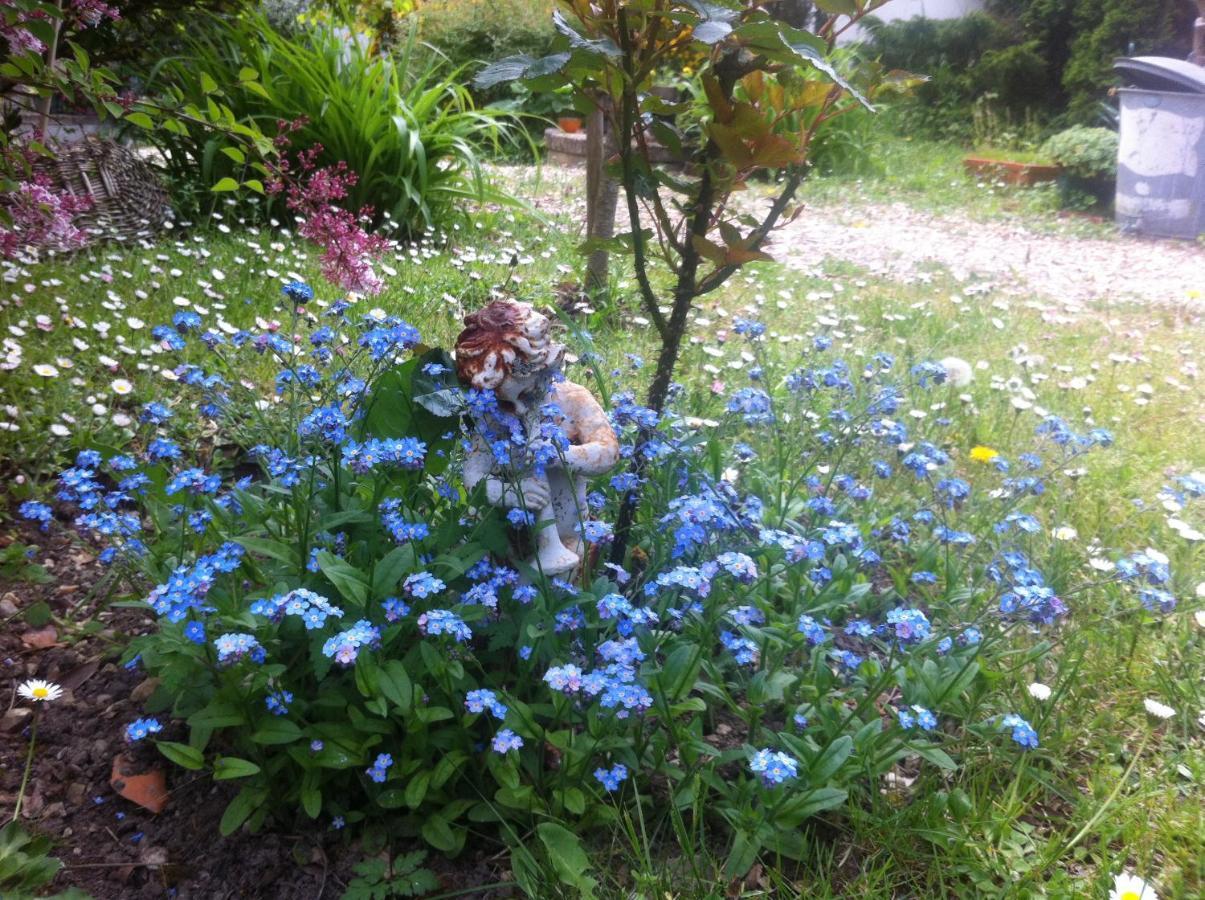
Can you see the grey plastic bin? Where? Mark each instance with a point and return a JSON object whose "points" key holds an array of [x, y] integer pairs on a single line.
{"points": [[1161, 158]]}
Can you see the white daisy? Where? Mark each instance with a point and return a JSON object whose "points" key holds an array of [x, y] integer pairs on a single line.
{"points": [[1039, 691], [45, 370], [1131, 887], [1157, 709], [1064, 533], [40, 691], [121, 387]]}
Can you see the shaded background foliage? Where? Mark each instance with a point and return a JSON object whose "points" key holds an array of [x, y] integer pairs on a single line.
{"points": [[1051, 59]]}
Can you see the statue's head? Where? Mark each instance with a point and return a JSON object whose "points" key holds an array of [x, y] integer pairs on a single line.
{"points": [[506, 347]]}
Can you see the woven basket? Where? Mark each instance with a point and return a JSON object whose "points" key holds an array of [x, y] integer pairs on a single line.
{"points": [[128, 202]]}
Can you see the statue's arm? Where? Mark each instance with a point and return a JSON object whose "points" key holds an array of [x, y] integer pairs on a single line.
{"points": [[480, 465], [596, 449]]}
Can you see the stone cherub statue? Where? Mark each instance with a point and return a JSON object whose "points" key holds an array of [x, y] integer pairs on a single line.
{"points": [[506, 348]]}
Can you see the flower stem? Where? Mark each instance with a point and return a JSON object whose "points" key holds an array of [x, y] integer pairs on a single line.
{"points": [[33, 737]]}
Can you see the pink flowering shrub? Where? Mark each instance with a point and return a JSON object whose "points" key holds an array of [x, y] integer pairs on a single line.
{"points": [[313, 194], [40, 217]]}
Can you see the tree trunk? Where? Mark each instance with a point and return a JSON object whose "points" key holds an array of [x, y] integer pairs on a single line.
{"points": [[602, 197]]}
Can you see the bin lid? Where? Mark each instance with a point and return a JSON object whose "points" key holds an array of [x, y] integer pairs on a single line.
{"points": [[1162, 73]]}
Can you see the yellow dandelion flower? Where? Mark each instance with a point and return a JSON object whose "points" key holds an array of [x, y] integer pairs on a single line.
{"points": [[983, 454]]}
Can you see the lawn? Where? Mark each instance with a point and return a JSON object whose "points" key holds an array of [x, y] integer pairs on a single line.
{"points": [[1110, 788]]}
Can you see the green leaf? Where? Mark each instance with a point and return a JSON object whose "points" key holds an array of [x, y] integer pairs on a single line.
{"points": [[513, 68], [438, 833], [416, 790], [236, 154], [208, 85], [182, 755], [934, 754], [218, 714], [567, 857], [311, 797], [841, 7], [276, 731], [225, 184], [596, 47], [741, 857], [389, 571], [782, 43], [256, 88], [228, 767], [141, 119], [827, 764], [246, 73], [346, 578], [394, 683], [391, 799], [38, 614], [266, 547], [244, 803]]}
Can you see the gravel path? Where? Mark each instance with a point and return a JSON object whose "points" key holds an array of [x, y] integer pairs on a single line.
{"points": [[904, 243]]}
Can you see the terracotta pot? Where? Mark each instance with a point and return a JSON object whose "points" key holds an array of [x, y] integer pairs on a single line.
{"points": [[569, 124], [1016, 173]]}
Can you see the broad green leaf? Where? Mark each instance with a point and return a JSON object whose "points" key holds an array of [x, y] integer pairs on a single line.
{"points": [[827, 764], [276, 731], [346, 578], [742, 855], [391, 799], [225, 184], [141, 119], [513, 68], [567, 856], [182, 755], [416, 790], [438, 833], [217, 714], [394, 683], [245, 802], [270, 548], [389, 570], [227, 767]]}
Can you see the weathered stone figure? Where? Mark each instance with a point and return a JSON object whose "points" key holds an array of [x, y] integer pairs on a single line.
{"points": [[507, 348]]}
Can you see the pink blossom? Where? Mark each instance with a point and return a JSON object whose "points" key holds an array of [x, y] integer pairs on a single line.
{"points": [[40, 217], [313, 194]]}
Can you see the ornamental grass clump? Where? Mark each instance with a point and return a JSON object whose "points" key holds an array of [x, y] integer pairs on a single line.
{"points": [[821, 585]]}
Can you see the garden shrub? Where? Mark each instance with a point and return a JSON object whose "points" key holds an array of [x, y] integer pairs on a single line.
{"points": [[1088, 157], [826, 580], [471, 32], [410, 133]]}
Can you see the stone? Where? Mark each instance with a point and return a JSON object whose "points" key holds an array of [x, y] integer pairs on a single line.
{"points": [[15, 719], [506, 349], [8, 605]]}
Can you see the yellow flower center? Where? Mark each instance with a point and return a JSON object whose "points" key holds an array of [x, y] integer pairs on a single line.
{"points": [[41, 693], [1130, 895]]}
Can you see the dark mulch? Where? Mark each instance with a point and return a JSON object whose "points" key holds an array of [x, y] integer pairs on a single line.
{"points": [[113, 848]]}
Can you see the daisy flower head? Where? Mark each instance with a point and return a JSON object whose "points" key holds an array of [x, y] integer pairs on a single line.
{"points": [[38, 691], [1131, 887], [1157, 709], [1039, 691]]}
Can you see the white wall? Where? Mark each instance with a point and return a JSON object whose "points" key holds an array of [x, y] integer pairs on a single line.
{"points": [[930, 9]]}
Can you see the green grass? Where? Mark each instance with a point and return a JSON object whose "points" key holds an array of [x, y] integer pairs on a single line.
{"points": [[1117, 792], [929, 175]]}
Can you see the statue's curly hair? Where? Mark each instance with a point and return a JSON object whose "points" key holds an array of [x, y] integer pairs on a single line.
{"points": [[503, 337]]}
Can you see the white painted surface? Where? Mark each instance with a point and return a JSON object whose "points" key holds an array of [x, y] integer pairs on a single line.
{"points": [[908, 9]]}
